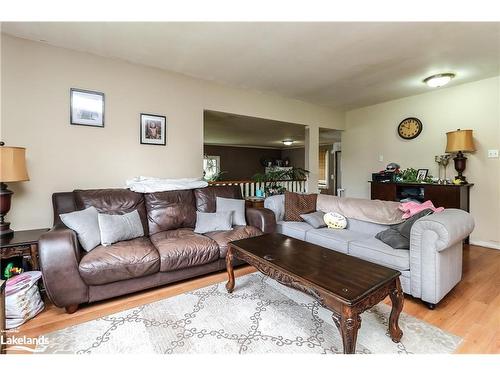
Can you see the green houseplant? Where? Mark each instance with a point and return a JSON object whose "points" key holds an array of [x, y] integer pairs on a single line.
{"points": [[273, 178], [409, 175]]}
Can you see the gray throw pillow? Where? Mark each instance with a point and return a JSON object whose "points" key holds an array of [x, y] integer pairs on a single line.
{"points": [[211, 222], [236, 205], [116, 228], [398, 236], [314, 219], [86, 226]]}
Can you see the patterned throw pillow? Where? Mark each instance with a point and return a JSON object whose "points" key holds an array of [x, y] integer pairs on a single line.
{"points": [[298, 204], [334, 220]]}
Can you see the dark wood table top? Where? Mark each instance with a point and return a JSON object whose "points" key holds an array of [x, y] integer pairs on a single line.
{"points": [[350, 279], [22, 237]]}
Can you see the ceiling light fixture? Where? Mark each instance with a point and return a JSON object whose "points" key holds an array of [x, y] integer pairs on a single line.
{"points": [[287, 142], [438, 80]]}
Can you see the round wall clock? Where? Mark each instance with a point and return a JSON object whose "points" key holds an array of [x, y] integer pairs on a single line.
{"points": [[410, 128]]}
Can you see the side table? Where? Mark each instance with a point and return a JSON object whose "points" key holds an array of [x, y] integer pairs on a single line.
{"points": [[254, 202], [22, 243]]}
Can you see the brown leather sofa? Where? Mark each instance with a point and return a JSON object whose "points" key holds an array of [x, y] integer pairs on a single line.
{"points": [[170, 251]]}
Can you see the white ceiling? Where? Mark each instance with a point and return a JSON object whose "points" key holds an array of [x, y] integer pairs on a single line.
{"points": [[342, 65], [229, 129]]}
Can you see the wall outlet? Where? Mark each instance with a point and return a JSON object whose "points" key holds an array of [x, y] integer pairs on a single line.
{"points": [[492, 153], [381, 158]]}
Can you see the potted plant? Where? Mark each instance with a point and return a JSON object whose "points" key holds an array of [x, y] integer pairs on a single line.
{"points": [[409, 175], [272, 179]]}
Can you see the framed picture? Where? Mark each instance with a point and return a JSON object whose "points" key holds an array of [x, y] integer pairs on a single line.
{"points": [[153, 129], [86, 108], [422, 174]]}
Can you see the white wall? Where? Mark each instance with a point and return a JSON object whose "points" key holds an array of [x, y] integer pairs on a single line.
{"points": [[371, 131], [36, 79]]}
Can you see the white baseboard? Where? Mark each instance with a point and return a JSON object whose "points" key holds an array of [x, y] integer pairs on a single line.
{"points": [[491, 244]]}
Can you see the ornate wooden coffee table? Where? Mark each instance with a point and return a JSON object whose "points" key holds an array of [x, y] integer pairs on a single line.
{"points": [[345, 285]]}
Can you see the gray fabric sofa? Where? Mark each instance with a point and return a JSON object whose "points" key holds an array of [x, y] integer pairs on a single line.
{"points": [[430, 268]]}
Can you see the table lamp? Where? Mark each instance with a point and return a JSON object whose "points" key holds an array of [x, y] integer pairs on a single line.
{"points": [[12, 169], [460, 141]]}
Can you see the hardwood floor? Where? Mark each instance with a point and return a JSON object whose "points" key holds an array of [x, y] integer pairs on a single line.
{"points": [[471, 310]]}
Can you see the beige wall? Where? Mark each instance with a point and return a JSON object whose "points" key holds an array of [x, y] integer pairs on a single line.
{"points": [[36, 79], [371, 131]]}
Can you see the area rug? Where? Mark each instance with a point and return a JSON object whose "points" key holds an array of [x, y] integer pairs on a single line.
{"points": [[260, 316]]}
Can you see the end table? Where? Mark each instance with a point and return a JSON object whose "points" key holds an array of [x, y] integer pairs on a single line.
{"points": [[254, 202], [22, 243]]}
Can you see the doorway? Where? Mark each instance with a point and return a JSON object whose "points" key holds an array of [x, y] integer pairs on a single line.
{"points": [[330, 162]]}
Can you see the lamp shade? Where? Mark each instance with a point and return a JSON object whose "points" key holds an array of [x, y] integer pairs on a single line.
{"points": [[459, 140], [13, 164]]}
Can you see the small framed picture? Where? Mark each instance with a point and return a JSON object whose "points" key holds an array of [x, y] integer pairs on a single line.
{"points": [[86, 108], [422, 174], [153, 129]]}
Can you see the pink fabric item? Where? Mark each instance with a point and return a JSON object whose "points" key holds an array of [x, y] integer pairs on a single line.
{"points": [[412, 208]]}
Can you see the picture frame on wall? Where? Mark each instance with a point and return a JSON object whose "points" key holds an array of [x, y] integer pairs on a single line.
{"points": [[422, 174], [153, 129], [86, 108]]}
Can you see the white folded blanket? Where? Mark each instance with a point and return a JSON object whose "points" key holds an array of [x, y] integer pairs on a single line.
{"points": [[144, 184]]}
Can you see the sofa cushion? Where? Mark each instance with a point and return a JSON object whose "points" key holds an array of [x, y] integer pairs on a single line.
{"points": [[86, 225], [376, 251], [235, 205], [295, 229], [297, 204], [315, 219], [398, 236], [167, 210], [334, 220], [182, 248], [121, 261], [276, 203], [205, 197], [115, 228], [237, 233], [366, 227], [335, 239], [113, 201], [213, 221]]}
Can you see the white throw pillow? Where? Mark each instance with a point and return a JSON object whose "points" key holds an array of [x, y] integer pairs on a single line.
{"points": [[211, 222], [86, 226], [335, 220], [276, 203], [236, 205], [116, 228]]}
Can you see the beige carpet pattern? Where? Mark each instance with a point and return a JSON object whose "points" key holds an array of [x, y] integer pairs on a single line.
{"points": [[261, 316]]}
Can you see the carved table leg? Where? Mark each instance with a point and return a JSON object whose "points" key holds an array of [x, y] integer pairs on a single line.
{"points": [[397, 299], [229, 268], [348, 324]]}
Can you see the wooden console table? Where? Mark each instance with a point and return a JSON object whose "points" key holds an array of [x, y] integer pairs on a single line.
{"points": [[447, 196], [23, 243]]}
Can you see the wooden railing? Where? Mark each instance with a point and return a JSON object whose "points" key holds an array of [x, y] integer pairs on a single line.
{"points": [[250, 187]]}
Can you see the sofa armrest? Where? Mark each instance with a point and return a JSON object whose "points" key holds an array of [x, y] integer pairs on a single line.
{"points": [[450, 226], [59, 255], [436, 253], [261, 218]]}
